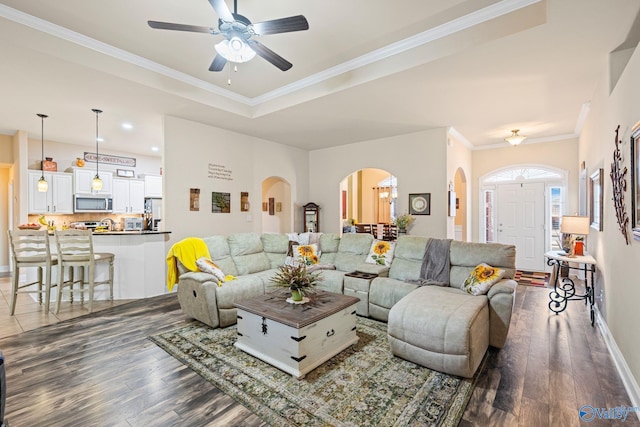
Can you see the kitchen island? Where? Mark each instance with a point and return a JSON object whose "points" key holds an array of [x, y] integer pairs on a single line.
{"points": [[139, 267], [139, 264]]}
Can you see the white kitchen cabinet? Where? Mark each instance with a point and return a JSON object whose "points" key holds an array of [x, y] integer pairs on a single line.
{"points": [[128, 196], [83, 177], [59, 197], [153, 186]]}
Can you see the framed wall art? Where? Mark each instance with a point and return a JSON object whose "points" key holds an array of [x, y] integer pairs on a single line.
{"points": [[420, 204], [220, 202], [596, 199], [635, 181]]}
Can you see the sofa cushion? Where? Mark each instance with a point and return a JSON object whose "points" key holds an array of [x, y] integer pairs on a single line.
{"points": [[407, 258], [248, 253], [465, 256], [208, 266], [352, 251], [221, 254], [275, 247], [381, 252]]}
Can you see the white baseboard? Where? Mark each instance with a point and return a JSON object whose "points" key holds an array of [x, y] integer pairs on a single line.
{"points": [[630, 383]]}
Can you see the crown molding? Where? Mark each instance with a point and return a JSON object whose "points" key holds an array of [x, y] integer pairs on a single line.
{"points": [[459, 24]]}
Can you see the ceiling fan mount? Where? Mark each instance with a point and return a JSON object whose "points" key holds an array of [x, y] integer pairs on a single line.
{"points": [[238, 31]]}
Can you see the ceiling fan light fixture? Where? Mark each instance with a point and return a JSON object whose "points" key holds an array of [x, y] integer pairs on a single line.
{"points": [[515, 138], [235, 50]]}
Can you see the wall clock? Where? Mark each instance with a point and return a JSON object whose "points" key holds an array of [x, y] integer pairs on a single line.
{"points": [[420, 204]]}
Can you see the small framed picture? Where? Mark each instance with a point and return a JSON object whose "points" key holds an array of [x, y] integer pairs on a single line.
{"points": [[125, 173], [420, 204], [278, 206], [265, 206]]}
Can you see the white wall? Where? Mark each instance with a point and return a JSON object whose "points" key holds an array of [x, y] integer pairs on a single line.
{"points": [[415, 159], [192, 149], [617, 262]]}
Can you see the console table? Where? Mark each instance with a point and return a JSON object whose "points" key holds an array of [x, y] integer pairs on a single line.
{"points": [[564, 288]]}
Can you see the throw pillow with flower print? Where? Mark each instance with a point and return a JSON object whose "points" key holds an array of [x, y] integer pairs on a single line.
{"points": [[482, 278], [381, 252], [306, 254]]}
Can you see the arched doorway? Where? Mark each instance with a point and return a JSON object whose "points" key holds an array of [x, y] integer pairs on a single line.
{"points": [[460, 218], [368, 196], [522, 205], [277, 212]]}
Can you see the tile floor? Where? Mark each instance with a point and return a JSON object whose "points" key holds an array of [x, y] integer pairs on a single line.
{"points": [[30, 315]]}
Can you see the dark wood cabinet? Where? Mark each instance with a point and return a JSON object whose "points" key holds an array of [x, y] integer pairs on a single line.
{"points": [[311, 217]]}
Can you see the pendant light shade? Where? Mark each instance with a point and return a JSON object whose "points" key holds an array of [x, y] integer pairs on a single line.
{"points": [[43, 185], [96, 184]]}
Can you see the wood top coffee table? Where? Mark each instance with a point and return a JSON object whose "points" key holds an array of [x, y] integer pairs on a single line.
{"points": [[296, 338]]}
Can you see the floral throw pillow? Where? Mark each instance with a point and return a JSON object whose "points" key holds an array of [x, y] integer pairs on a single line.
{"points": [[207, 266], [304, 254], [381, 252], [482, 278]]}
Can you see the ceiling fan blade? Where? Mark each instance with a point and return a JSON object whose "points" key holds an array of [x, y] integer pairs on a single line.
{"points": [[222, 10], [182, 27], [218, 63], [282, 25], [270, 55]]}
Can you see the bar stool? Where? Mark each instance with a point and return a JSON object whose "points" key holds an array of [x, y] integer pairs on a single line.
{"points": [[75, 249], [30, 248]]}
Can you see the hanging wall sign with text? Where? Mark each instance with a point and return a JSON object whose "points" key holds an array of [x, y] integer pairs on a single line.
{"points": [[111, 160]]}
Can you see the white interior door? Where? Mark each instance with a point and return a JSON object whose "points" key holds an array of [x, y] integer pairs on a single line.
{"points": [[521, 222]]}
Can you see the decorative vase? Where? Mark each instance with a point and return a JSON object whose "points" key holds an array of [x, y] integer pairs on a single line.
{"points": [[80, 162], [402, 232], [296, 295]]}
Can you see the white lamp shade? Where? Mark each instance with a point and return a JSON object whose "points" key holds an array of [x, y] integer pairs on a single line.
{"points": [[575, 225], [235, 50], [43, 185]]}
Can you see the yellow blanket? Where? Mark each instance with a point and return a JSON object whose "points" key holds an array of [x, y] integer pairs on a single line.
{"points": [[187, 251]]}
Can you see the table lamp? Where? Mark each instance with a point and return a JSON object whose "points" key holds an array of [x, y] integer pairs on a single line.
{"points": [[575, 226]]}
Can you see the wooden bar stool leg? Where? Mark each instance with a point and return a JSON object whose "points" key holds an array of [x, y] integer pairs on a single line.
{"points": [[40, 285], [111, 279], [47, 290], [14, 289], [91, 286]]}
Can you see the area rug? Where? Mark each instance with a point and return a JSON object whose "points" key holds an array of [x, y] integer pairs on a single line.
{"points": [[531, 278], [365, 385]]}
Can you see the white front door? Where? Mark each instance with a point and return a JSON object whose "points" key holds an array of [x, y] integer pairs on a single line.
{"points": [[521, 222]]}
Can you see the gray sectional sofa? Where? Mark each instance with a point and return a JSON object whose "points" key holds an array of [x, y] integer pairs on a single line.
{"points": [[443, 328]]}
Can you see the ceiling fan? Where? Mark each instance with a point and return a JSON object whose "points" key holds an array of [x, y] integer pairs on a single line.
{"points": [[238, 31]]}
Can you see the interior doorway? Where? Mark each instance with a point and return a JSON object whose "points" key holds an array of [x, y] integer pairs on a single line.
{"points": [[460, 217], [368, 196], [521, 205], [277, 211]]}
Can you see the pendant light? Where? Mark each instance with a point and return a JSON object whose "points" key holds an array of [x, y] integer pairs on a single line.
{"points": [[515, 138], [96, 184], [43, 185]]}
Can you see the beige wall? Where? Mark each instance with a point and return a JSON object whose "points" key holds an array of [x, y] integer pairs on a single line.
{"points": [[617, 276], [460, 160], [562, 154], [6, 150], [4, 218], [414, 159], [191, 151]]}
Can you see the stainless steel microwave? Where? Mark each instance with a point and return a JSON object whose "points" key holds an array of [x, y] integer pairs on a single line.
{"points": [[92, 204]]}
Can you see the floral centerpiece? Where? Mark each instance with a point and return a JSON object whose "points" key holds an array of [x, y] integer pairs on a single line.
{"points": [[403, 221], [296, 278]]}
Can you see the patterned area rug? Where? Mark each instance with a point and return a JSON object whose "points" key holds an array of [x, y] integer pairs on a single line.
{"points": [[531, 278], [362, 386]]}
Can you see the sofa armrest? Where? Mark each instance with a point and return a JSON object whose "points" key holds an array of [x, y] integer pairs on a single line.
{"points": [[198, 276], [501, 302], [380, 270], [503, 286]]}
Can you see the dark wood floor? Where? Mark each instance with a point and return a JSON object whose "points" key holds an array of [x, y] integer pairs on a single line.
{"points": [[100, 370]]}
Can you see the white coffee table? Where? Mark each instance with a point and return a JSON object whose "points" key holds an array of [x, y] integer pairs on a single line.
{"points": [[296, 338]]}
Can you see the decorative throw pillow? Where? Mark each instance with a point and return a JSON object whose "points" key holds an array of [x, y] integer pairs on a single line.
{"points": [[482, 278], [381, 252], [207, 266], [304, 254]]}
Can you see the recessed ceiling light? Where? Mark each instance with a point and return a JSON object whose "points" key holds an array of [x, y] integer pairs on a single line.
{"points": [[127, 126], [155, 149]]}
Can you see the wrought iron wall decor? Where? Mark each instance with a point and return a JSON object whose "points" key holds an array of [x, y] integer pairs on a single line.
{"points": [[619, 180]]}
